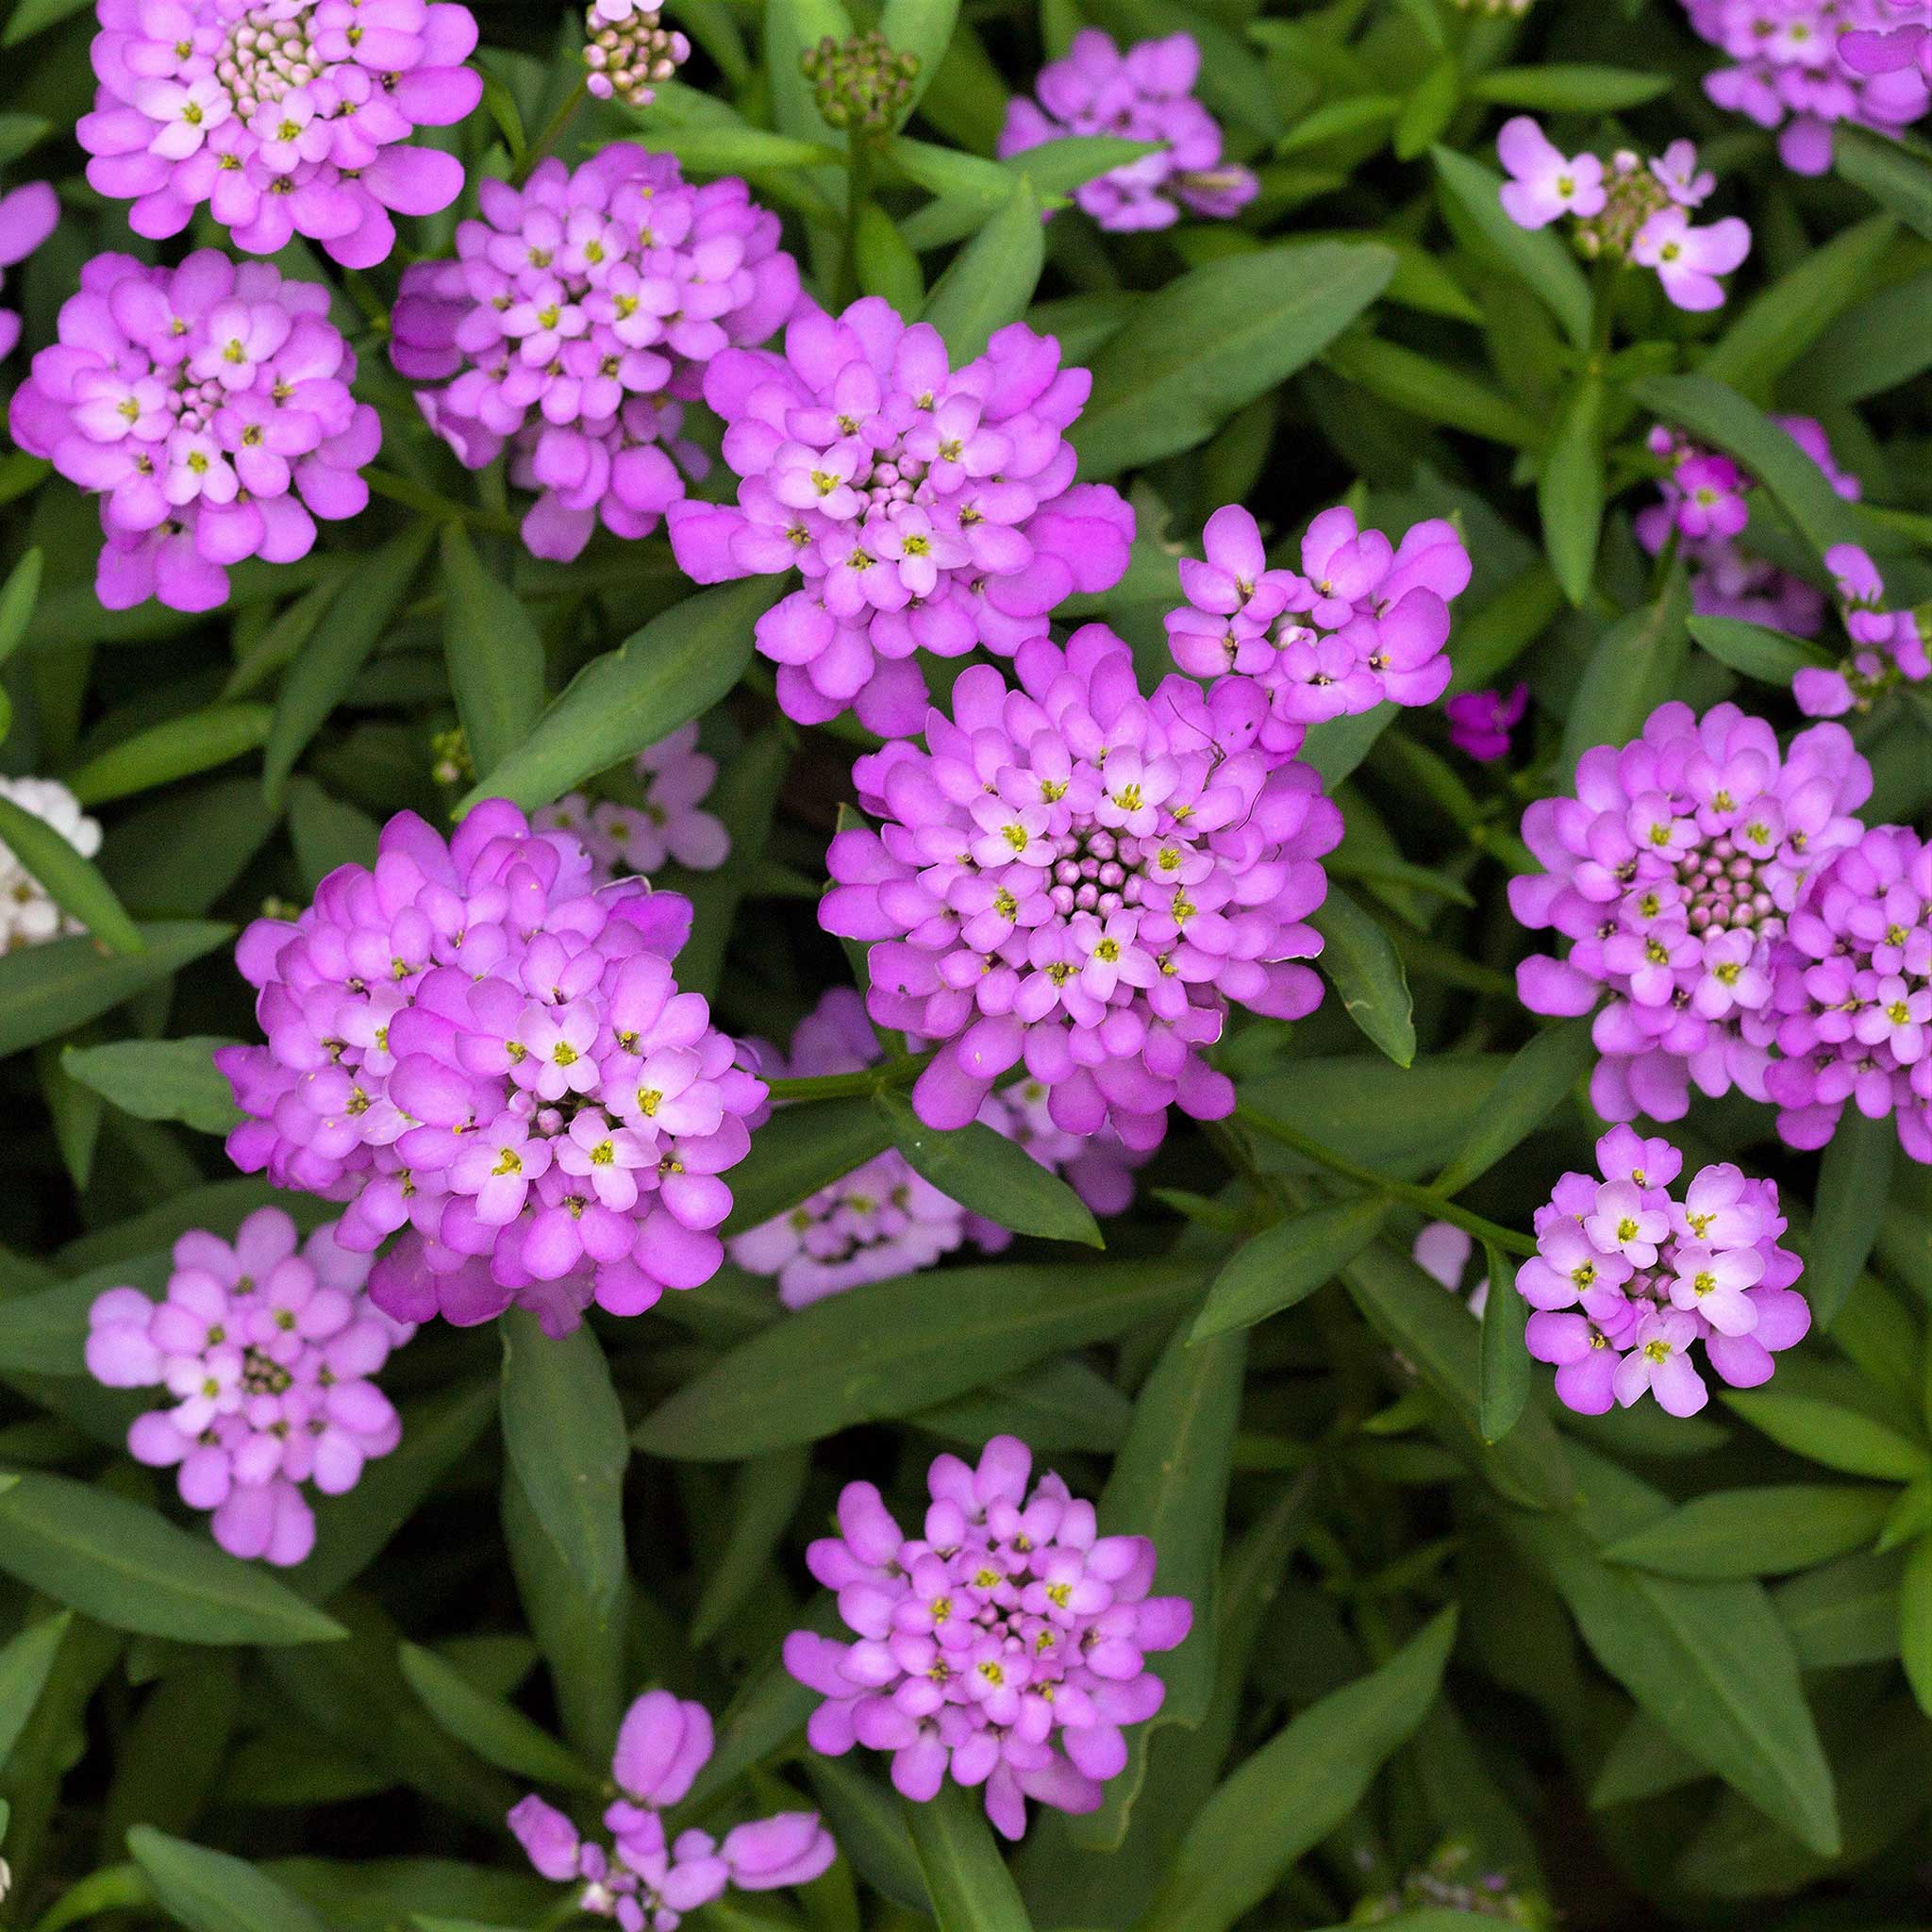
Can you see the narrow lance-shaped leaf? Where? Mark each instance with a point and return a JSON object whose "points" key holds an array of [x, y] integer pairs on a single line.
{"points": [[25, 1664], [1915, 1620], [1754, 651], [966, 1878], [1284, 1264], [1503, 1392], [494, 655], [1536, 255], [807, 1146], [1891, 173], [70, 880], [209, 1892], [1852, 1185], [176, 748], [992, 278], [159, 1080], [1362, 966], [496, 1732], [1634, 667], [1735, 1534], [1569, 492], [55, 988], [1532, 1084]]}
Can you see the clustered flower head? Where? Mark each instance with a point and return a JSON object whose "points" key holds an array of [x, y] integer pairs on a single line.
{"points": [[267, 1352], [923, 508], [883, 1219], [629, 50], [283, 117], [1707, 502], [1480, 722], [471, 1045], [676, 777], [578, 318], [862, 83], [1363, 622], [1082, 879], [28, 915], [649, 1879], [1146, 93], [1631, 212], [1627, 1278], [1888, 646], [1852, 994], [1795, 69], [1673, 872], [28, 217], [1010, 1626], [210, 407]]}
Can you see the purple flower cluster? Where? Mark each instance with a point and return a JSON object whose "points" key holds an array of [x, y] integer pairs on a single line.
{"points": [[1480, 722], [1627, 1278], [268, 1354], [1632, 212], [884, 1219], [1364, 620], [578, 315], [648, 1880], [208, 405], [1852, 993], [1888, 646], [284, 117], [1082, 877], [1795, 71], [1706, 501], [1673, 872], [470, 1044], [28, 217], [1010, 1626], [1885, 50], [925, 508], [676, 777], [1146, 93]]}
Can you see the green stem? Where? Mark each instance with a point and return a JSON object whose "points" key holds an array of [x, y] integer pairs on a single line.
{"points": [[866, 1081], [551, 130], [1428, 1201], [433, 503], [859, 190]]}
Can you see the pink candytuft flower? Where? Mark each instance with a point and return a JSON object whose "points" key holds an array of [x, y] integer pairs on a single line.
{"points": [[676, 777], [1143, 95], [267, 1352], [209, 407], [1852, 994], [1082, 879], [472, 1046], [1006, 1644], [1874, 51], [1801, 66], [28, 216], [1888, 646], [1480, 722], [1442, 1250], [577, 319], [1364, 620], [883, 1219], [923, 508], [648, 1878], [283, 117], [1673, 872], [1633, 211], [1707, 502], [1628, 1278]]}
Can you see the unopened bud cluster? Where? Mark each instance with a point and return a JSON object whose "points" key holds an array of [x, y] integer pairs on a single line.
{"points": [[860, 82], [450, 760], [629, 52], [1496, 9]]}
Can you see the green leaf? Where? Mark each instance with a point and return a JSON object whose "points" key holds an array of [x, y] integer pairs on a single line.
{"points": [[1337, 120], [1852, 1183], [563, 1431], [1212, 341], [887, 266], [1832, 1435], [71, 881], [1886, 339], [764, 1498], [1762, 1532], [1361, 965], [1756, 651], [1534, 255], [807, 1144], [176, 748], [1910, 1514], [1555, 88], [991, 280], [733, 148], [1635, 666], [1716, 414], [892, 1347], [159, 1080], [494, 656], [17, 599], [322, 674], [32, 16], [209, 1892], [1915, 1621], [1286, 1263], [1427, 112], [1503, 1390], [923, 28], [326, 832], [124, 1566], [989, 1174], [673, 670], [497, 1732], [24, 1667], [1570, 492], [1297, 1787], [54, 988], [1432, 390], [1894, 174], [965, 1876], [1533, 1084], [1842, 1613]]}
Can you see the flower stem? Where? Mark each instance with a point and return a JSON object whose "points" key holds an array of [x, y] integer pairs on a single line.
{"points": [[433, 503], [866, 1081], [858, 189]]}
